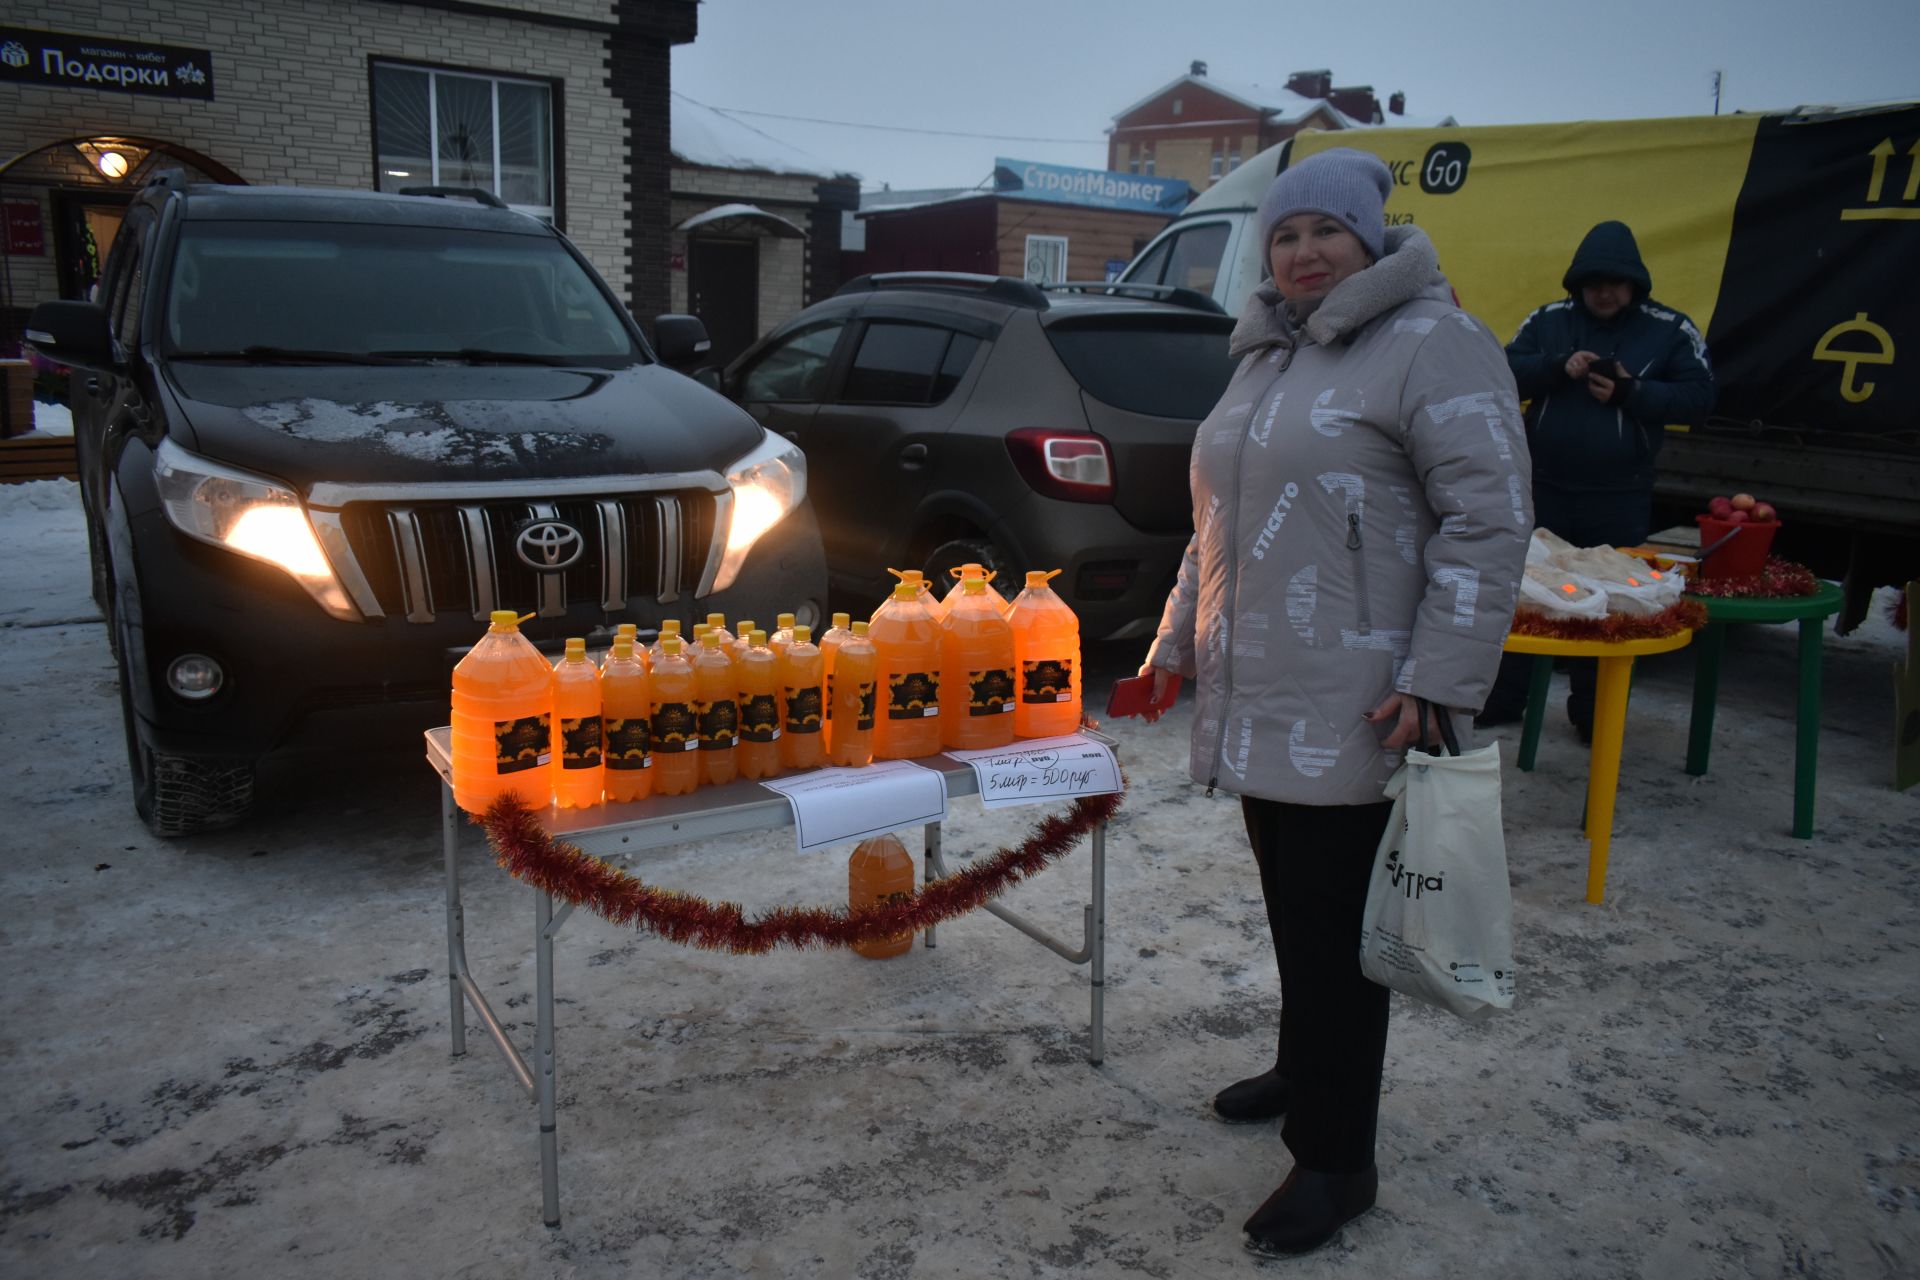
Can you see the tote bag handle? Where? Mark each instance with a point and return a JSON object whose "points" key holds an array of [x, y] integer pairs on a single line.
{"points": [[1448, 738]]}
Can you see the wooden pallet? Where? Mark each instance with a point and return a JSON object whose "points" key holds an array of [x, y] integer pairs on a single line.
{"points": [[23, 460]]}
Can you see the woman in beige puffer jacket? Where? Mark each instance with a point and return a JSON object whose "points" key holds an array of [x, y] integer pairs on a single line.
{"points": [[1361, 512]]}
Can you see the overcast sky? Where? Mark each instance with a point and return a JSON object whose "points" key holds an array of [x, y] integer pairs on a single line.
{"points": [[1057, 70]]}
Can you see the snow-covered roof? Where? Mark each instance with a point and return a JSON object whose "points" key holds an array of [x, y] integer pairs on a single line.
{"points": [[707, 137], [1284, 106], [875, 201]]}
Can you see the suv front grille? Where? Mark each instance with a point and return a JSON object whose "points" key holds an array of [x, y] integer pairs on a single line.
{"points": [[423, 560]]}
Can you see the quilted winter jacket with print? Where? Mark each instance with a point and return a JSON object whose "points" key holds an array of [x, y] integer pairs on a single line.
{"points": [[1361, 511]]}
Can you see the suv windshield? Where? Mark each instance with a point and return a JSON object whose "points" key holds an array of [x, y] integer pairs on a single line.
{"points": [[327, 290], [1165, 367]]}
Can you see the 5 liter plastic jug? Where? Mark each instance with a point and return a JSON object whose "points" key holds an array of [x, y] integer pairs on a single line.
{"points": [[758, 755], [880, 870], [578, 777], [1046, 647], [829, 645], [976, 671], [626, 708], [502, 719], [716, 707], [855, 667], [676, 731], [907, 640], [971, 570], [799, 673]]}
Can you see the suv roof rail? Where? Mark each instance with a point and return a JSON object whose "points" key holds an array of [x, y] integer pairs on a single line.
{"points": [[1176, 295], [1021, 293], [476, 194]]}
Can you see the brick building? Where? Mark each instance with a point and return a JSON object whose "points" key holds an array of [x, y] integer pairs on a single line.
{"points": [[559, 107], [1199, 128]]}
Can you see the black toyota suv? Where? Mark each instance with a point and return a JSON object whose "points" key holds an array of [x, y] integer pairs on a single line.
{"points": [[322, 434], [951, 417]]}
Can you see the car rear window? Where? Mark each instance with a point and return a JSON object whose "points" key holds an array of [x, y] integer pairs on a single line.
{"points": [[1165, 366]]}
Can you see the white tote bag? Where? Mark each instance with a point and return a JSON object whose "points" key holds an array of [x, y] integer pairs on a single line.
{"points": [[1439, 915]]}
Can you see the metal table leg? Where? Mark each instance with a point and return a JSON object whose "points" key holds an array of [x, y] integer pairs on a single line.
{"points": [[1806, 725], [1707, 646], [456, 917], [543, 1055]]}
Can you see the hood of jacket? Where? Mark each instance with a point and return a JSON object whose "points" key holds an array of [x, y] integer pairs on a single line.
{"points": [[1408, 269], [1610, 251]]}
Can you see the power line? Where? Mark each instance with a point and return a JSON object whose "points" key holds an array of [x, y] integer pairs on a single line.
{"points": [[892, 128]]}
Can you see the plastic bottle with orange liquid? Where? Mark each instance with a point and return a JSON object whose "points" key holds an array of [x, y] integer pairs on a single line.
{"points": [[907, 639], [782, 634], [855, 668], [716, 694], [718, 622], [668, 627], [739, 645], [626, 708], [800, 674], [758, 755], [502, 719], [976, 671], [830, 642], [1046, 651], [972, 570], [578, 776], [880, 871], [676, 730]]}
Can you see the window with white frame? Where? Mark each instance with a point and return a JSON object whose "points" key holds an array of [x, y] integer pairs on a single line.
{"points": [[463, 129], [1046, 259]]}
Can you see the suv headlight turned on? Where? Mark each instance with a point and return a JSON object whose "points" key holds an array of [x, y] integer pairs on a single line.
{"points": [[323, 434]]}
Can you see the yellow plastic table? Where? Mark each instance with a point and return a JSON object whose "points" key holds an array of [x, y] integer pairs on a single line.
{"points": [[1609, 725]]}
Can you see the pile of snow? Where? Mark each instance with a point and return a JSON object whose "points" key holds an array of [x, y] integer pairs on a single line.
{"points": [[50, 422]]}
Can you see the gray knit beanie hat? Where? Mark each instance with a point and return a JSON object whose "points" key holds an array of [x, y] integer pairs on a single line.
{"points": [[1348, 185]]}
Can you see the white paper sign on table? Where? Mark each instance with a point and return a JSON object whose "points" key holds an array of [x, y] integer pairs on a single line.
{"points": [[834, 805], [1036, 769]]}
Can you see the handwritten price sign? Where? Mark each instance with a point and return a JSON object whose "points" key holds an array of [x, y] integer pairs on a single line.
{"points": [[1043, 769]]}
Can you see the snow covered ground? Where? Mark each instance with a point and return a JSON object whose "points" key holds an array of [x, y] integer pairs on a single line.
{"points": [[229, 1057]]}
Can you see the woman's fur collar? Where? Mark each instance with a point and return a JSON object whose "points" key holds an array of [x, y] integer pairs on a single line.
{"points": [[1409, 268]]}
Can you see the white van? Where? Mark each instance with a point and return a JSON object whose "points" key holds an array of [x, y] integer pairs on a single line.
{"points": [[1214, 247]]}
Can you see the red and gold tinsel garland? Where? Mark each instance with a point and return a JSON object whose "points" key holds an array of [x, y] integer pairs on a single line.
{"points": [[1778, 580], [534, 857], [1682, 615]]}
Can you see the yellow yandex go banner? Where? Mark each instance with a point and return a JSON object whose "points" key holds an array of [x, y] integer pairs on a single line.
{"points": [[1507, 205]]}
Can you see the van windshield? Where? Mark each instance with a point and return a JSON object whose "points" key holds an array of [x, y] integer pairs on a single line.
{"points": [[1189, 259], [284, 290]]}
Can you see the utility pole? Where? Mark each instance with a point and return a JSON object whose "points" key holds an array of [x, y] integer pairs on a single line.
{"points": [[1717, 77]]}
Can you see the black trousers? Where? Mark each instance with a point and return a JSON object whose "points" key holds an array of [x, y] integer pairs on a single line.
{"points": [[1585, 520], [1315, 861]]}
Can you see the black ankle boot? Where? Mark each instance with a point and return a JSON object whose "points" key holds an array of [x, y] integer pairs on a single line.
{"points": [[1261, 1097], [1309, 1209]]}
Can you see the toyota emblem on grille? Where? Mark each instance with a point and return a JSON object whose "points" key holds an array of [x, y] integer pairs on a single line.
{"points": [[548, 546]]}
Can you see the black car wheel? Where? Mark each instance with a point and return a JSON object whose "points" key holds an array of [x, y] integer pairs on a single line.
{"points": [[174, 795], [949, 556]]}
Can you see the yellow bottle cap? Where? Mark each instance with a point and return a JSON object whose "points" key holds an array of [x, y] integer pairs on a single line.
{"points": [[802, 634], [784, 621], [904, 590], [670, 627], [1040, 577], [700, 629], [717, 621], [757, 637], [746, 625], [623, 647], [628, 629], [973, 586], [506, 618], [576, 649], [859, 628], [841, 620], [708, 640], [670, 643]]}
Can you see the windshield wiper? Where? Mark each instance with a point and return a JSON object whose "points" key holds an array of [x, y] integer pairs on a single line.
{"points": [[291, 355], [481, 355]]}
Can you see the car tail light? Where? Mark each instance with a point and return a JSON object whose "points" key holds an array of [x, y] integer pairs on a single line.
{"points": [[1074, 465]]}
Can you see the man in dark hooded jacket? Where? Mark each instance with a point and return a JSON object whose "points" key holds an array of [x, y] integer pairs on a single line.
{"points": [[1606, 368]]}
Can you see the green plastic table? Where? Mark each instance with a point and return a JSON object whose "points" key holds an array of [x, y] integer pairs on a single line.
{"points": [[1811, 612]]}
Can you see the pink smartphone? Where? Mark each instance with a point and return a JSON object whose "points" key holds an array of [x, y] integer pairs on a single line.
{"points": [[1134, 695]]}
